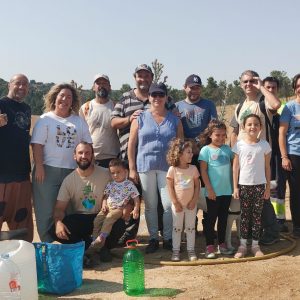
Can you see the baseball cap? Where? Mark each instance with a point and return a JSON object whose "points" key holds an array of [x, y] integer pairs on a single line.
{"points": [[193, 80], [158, 88], [143, 67], [97, 76]]}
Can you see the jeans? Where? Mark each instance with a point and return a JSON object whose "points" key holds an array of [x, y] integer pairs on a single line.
{"points": [[294, 184], [44, 198], [152, 181]]}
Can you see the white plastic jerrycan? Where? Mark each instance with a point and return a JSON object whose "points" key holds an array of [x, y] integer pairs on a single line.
{"points": [[18, 270]]}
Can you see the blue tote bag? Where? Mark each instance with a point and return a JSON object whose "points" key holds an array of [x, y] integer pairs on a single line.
{"points": [[59, 267]]}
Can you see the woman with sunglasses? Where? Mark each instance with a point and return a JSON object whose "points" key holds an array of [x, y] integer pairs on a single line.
{"points": [[289, 143], [253, 89], [149, 139]]}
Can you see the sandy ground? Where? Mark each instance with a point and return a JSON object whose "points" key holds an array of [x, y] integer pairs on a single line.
{"points": [[275, 278]]}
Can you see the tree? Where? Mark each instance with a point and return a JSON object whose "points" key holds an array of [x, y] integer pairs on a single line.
{"points": [[157, 71], [176, 94], [235, 94], [285, 84], [125, 88]]}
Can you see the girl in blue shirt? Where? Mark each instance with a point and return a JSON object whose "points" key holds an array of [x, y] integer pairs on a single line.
{"points": [[215, 168]]}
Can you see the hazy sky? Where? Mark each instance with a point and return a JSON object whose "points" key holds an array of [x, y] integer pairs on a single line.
{"points": [[60, 40]]}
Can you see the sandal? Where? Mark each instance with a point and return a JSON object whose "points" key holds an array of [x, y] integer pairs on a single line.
{"points": [[242, 251], [256, 251]]}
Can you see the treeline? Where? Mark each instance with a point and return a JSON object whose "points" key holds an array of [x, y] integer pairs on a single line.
{"points": [[220, 92]]}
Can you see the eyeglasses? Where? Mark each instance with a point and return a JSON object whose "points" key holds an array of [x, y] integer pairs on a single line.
{"points": [[160, 95], [249, 81]]}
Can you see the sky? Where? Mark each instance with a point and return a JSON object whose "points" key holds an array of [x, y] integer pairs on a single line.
{"points": [[63, 40]]}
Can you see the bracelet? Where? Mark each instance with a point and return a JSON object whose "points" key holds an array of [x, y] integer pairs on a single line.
{"points": [[284, 156], [129, 119]]}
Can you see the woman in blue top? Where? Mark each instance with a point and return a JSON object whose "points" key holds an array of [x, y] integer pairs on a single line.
{"points": [[289, 143], [150, 135]]}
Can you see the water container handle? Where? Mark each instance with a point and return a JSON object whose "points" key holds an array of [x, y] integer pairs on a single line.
{"points": [[131, 241]]}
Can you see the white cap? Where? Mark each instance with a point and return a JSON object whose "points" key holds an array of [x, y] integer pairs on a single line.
{"points": [[97, 76]]}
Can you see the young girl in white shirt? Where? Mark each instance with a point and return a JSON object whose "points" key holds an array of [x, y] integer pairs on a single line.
{"points": [[251, 181], [183, 186]]}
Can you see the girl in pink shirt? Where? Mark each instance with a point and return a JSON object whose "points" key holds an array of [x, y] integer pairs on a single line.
{"points": [[183, 186]]}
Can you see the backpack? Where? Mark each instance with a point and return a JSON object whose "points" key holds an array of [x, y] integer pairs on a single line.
{"points": [[272, 129]]}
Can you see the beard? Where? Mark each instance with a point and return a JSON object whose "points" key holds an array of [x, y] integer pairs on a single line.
{"points": [[83, 165], [103, 93], [144, 87]]}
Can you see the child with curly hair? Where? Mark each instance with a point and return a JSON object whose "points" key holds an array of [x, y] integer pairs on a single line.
{"points": [[183, 186]]}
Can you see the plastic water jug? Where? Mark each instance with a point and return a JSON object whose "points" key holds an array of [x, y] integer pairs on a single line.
{"points": [[133, 270], [18, 270]]}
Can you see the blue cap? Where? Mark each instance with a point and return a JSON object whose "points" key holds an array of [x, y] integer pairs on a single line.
{"points": [[158, 88]]}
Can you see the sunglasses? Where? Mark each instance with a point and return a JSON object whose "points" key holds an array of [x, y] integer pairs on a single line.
{"points": [[250, 81], [160, 95]]}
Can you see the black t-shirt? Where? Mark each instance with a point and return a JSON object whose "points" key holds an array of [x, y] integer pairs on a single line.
{"points": [[14, 141]]}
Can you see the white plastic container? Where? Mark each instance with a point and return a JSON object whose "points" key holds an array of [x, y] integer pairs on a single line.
{"points": [[18, 270]]}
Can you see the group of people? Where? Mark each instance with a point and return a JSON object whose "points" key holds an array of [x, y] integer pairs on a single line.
{"points": [[92, 164]]}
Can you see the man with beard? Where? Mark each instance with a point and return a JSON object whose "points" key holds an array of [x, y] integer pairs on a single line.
{"points": [[97, 115], [131, 104], [79, 201], [15, 186]]}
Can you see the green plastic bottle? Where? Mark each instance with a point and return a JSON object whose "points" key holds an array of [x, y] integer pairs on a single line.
{"points": [[133, 270]]}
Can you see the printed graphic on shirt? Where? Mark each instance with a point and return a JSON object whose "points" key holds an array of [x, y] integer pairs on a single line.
{"points": [[65, 138], [245, 113], [88, 200], [119, 193], [22, 120], [194, 118], [249, 158], [214, 156], [185, 181]]}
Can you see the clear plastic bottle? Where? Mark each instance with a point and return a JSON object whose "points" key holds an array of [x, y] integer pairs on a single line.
{"points": [[10, 288], [133, 270]]}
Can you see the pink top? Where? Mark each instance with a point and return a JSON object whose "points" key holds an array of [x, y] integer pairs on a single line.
{"points": [[183, 183]]}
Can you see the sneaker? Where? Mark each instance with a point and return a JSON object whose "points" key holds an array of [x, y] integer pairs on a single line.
{"points": [[242, 251], [256, 251], [175, 255], [268, 240], [224, 250], [167, 244], [192, 255], [105, 255], [210, 251], [152, 246]]}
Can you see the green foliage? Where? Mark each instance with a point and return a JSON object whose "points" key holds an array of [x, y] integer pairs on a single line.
{"points": [[176, 94], [220, 92], [285, 84], [157, 69]]}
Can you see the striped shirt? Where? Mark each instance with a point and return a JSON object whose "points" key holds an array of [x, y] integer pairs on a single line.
{"points": [[128, 104]]}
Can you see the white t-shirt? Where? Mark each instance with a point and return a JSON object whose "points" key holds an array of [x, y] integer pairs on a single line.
{"points": [[105, 139], [252, 161], [60, 136]]}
